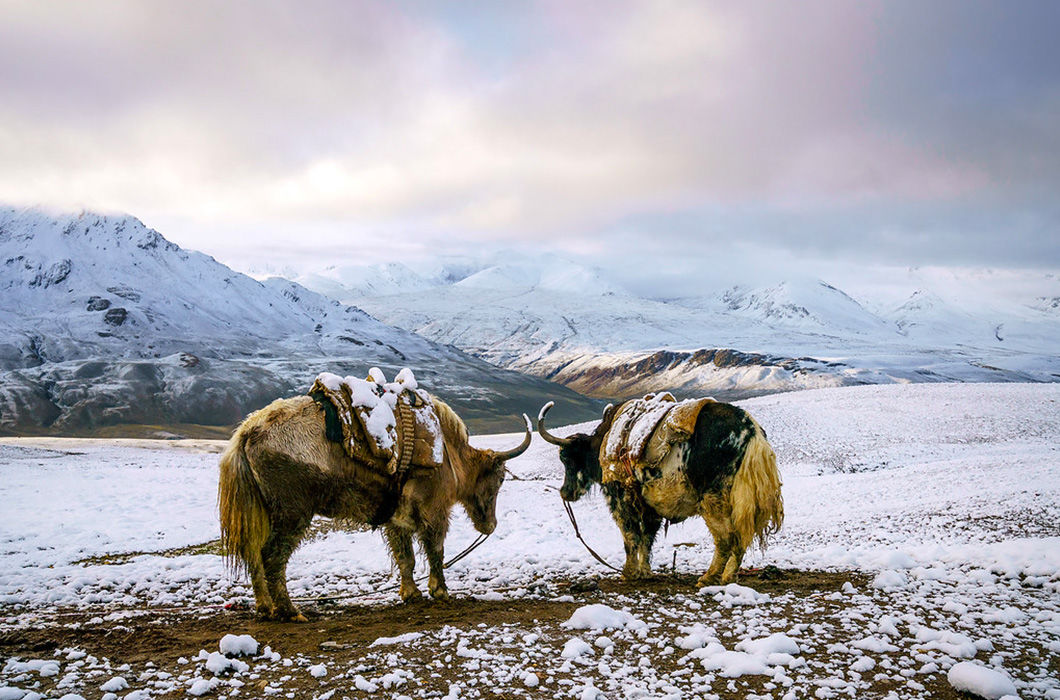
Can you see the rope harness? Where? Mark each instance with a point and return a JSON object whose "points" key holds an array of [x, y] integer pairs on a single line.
{"points": [[577, 531]]}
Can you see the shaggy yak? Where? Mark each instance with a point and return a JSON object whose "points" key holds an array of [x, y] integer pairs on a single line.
{"points": [[726, 472], [280, 470]]}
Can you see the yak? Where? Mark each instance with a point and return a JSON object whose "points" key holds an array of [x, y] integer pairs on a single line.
{"points": [[725, 471], [279, 470]]}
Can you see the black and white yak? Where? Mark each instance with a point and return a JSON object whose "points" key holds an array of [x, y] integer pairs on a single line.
{"points": [[725, 471]]}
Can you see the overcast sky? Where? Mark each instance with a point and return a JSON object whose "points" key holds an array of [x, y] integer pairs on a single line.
{"points": [[655, 135]]}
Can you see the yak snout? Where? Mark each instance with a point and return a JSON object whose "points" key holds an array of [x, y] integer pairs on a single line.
{"points": [[575, 485], [483, 514], [489, 525], [481, 503]]}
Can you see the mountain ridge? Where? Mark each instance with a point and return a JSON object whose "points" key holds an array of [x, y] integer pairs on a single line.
{"points": [[110, 323], [916, 325]]}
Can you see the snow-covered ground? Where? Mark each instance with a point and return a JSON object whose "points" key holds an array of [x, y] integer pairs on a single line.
{"points": [[945, 496]]}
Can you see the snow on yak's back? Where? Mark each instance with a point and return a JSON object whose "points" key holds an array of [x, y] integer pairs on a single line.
{"points": [[660, 459], [280, 469]]}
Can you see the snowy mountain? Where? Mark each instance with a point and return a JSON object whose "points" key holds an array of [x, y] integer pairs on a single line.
{"points": [[352, 281], [549, 318], [105, 321], [501, 272]]}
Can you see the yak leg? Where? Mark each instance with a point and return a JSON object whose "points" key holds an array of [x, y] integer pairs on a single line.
{"points": [[639, 525], [262, 599], [736, 550], [715, 512], [277, 550], [432, 535], [732, 566], [400, 541], [717, 562], [651, 523]]}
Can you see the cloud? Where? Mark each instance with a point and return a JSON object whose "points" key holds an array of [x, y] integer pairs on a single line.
{"points": [[808, 126]]}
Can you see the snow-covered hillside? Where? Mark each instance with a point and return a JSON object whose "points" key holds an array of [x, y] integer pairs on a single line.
{"points": [[935, 507], [555, 319], [105, 321]]}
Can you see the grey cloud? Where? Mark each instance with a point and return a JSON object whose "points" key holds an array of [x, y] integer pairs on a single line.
{"points": [[893, 129]]}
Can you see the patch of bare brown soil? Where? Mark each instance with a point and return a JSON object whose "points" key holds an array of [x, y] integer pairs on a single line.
{"points": [[340, 636]]}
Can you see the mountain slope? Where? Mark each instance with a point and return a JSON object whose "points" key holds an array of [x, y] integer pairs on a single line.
{"points": [[922, 325], [107, 322]]}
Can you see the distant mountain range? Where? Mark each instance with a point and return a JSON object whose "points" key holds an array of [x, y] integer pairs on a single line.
{"points": [[105, 322], [558, 320]]}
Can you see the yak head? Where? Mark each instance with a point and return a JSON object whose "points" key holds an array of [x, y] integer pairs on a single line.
{"points": [[480, 500], [579, 453]]}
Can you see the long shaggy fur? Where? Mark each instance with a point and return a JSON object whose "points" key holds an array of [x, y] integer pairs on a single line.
{"points": [[244, 520], [452, 425], [757, 504]]}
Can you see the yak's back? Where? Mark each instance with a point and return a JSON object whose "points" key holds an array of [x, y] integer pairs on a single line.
{"points": [[390, 426], [644, 430]]}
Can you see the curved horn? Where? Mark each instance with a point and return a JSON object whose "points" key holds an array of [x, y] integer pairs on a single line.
{"points": [[544, 433], [516, 451]]}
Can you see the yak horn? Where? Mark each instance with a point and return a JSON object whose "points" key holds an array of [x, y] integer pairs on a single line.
{"points": [[516, 451], [544, 433]]}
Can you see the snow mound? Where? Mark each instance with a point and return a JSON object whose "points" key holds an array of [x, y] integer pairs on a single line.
{"points": [[696, 636], [777, 643], [761, 656], [400, 639], [575, 647], [217, 664], [981, 681], [114, 684], [890, 580], [949, 643], [601, 617], [895, 560], [735, 594], [238, 645], [730, 664]]}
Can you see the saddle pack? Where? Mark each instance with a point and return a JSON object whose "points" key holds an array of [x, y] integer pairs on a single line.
{"points": [[643, 431], [388, 425]]}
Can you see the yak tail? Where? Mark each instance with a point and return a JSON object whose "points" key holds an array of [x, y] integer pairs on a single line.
{"points": [[244, 520], [757, 505]]}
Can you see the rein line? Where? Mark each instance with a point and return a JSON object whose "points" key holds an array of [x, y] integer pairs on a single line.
{"points": [[577, 531], [470, 548]]}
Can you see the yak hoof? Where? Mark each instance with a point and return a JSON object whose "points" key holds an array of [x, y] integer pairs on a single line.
{"points": [[708, 579], [441, 594], [290, 615], [410, 594], [636, 572]]}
